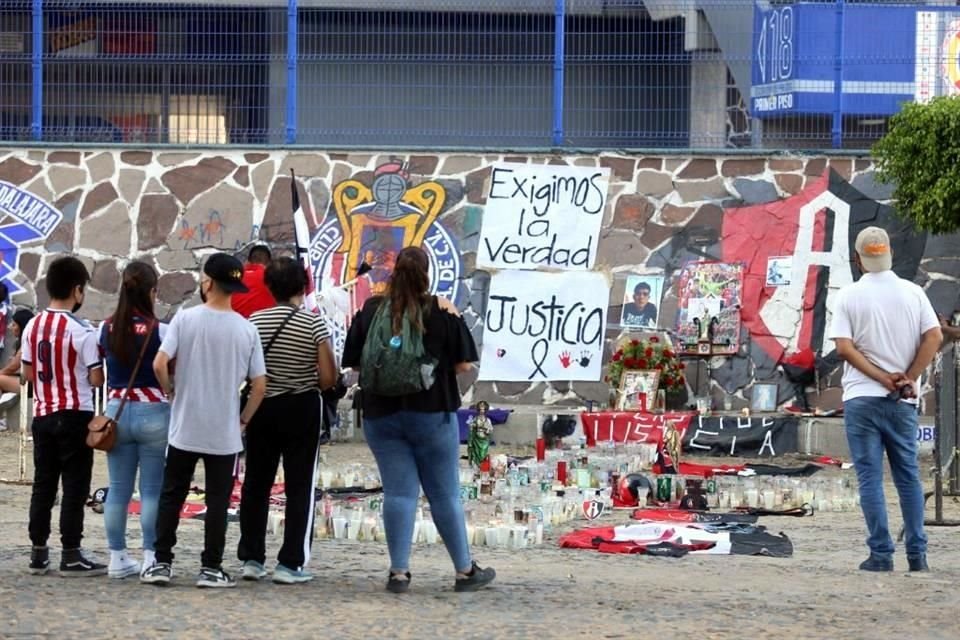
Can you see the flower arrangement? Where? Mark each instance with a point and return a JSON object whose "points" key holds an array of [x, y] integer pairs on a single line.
{"points": [[648, 354]]}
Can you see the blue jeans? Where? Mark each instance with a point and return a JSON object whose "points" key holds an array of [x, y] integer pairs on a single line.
{"points": [[141, 441], [875, 425], [414, 448]]}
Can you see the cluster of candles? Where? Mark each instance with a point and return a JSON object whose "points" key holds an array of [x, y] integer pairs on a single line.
{"points": [[511, 503], [723, 493], [828, 493], [559, 469], [506, 521]]}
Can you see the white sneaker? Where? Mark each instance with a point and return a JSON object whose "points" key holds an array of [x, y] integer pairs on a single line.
{"points": [[8, 399], [253, 570], [215, 579], [158, 573], [286, 575], [122, 565], [3, 424]]}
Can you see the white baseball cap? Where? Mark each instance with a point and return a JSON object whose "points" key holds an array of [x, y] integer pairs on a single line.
{"points": [[873, 247]]}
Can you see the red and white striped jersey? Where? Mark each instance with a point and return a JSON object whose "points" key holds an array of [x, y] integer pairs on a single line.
{"points": [[146, 387], [62, 351], [142, 394]]}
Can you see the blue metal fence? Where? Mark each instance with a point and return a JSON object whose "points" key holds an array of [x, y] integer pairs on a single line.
{"points": [[669, 74]]}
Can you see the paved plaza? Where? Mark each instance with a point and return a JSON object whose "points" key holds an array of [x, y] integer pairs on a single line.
{"points": [[542, 592]]}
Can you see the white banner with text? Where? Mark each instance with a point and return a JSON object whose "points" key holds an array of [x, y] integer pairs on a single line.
{"points": [[542, 216], [544, 326]]}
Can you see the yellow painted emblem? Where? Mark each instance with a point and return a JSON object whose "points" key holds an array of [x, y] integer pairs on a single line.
{"points": [[381, 219]]}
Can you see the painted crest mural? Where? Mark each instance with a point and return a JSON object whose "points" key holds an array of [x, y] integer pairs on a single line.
{"points": [[372, 223]]}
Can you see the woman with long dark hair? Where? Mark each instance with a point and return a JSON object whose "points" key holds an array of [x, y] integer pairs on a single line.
{"points": [[143, 426], [415, 438]]}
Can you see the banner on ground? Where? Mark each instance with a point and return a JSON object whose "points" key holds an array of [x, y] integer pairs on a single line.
{"points": [[760, 436], [544, 326], [542, 216], [623, 426], [757, 436]]}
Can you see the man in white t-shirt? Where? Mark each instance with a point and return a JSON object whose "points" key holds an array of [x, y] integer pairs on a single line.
{"points": [[216, 349], [887, 333]]}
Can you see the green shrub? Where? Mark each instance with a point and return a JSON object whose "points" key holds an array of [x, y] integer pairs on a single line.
{"points": [[920, 156]]}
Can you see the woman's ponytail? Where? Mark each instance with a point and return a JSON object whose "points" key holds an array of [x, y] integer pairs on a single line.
{"points": [[408, 290]]}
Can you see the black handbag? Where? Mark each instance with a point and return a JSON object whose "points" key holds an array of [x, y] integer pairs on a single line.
{"points": [[102, 430]]}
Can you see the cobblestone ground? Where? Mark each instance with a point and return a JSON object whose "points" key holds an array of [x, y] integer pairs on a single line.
{"points": [[542, 592]]}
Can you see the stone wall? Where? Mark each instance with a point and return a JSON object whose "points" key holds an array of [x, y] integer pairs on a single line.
{"points": [[172, 207]]}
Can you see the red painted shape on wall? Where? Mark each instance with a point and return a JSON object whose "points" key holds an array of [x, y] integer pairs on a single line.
{"points": [[752, 235]]}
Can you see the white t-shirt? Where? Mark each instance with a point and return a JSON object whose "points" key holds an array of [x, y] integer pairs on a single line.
{"points": [[885, 316], [215, 351]]}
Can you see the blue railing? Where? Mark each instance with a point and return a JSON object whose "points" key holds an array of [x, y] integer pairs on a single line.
{"points": [[667, 74]]}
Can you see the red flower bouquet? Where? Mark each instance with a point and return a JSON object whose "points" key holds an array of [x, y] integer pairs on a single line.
{"points": [[647, 355]]}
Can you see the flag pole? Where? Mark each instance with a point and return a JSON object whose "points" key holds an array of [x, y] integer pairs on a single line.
{"points": [[301, 234], [22, 444]]}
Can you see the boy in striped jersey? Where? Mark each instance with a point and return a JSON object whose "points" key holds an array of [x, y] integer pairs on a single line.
{"points": [[60, 357]]}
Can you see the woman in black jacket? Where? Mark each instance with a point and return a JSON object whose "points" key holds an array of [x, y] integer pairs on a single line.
{"points": [[415, 438]]}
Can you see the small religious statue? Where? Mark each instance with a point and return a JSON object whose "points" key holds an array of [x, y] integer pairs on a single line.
{"points": [[706, 326], [478, 443], [672, 443]]}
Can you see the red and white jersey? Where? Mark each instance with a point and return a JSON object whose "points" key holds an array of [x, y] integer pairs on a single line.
{"points": [[138, 394], [62, 350], [146, 387]]}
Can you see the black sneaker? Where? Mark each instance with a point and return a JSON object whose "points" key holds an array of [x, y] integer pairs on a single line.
{"points": [[215, 579], [918, 563], [73, 564], [398, 582], [157, 573], [476, 579], [39, 560], [877, 563]]}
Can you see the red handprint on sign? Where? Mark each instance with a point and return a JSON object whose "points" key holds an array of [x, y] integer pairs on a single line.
{"points": [[565, 359]]}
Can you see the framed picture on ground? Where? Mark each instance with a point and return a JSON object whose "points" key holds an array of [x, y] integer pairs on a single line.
{"points": [[638, 389], [763, 398]]}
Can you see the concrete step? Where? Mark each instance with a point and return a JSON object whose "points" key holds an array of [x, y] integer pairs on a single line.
{"points": [[817, 436]]}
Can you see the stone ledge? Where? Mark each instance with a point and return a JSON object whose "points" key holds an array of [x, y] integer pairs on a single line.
{"points": [[817, 436]]}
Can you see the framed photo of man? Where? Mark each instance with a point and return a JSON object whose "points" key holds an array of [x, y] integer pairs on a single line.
{"points": [[641, 301]]}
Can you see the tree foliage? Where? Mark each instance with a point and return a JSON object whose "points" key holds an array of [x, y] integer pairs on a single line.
{"points": [[920, 155]]}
